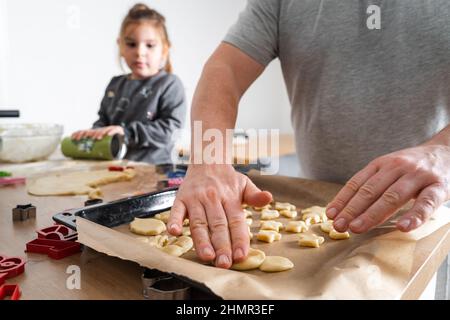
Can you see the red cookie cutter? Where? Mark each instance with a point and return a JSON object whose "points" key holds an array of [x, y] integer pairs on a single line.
{"points": [[175, 182], [10, 290], [57, 232], [10, 267], [55, 249], [119, 168]]}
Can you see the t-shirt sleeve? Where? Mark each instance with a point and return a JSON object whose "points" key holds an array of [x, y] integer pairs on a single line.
{"points": [[256, 31]]}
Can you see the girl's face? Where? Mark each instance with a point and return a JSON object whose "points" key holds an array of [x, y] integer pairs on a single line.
{"points": [[143, 50]]}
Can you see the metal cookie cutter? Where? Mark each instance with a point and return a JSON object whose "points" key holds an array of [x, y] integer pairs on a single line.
{"points": [[149, 277], [169, 289], [24, 212]]}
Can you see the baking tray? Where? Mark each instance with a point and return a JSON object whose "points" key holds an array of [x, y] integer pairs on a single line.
{"points": [[116, 213], [119, 212]]}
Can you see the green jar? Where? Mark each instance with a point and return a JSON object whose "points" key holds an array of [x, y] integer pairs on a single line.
{"points": [[108, 148]]}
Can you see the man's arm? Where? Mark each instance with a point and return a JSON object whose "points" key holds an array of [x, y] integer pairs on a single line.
{"points": [[375, 193], [212, 194]]}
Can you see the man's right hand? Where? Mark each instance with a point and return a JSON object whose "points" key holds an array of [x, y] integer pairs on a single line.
{"points": [[211, 196]]}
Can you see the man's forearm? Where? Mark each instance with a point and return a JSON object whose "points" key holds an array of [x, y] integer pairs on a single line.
{"points": [[225, 78]]}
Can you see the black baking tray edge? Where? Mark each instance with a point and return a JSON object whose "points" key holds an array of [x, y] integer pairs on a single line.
{"points": [[116, 213]]}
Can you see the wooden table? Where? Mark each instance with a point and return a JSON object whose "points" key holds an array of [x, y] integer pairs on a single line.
{"points": [[102, 277]]}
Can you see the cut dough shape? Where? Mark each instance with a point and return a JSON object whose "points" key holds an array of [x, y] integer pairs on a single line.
{"points": [[185, 242], [186, 222], [289, 214], [276, 264], [247, 213], [311, 218], [335, 235], [320, 211], [158, 241], [272, 225], [268, 236], [163, 216], [77, 183], [268, 214], [297, 226], [173, 250], [249, 221], [266, 207], [310, 240], [179, 246], [254, 259], [186, 231], [281, 206], [147, 227], [326, 226], [244, 206], [250, 234]]}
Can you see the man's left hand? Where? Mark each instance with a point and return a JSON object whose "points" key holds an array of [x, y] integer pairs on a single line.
{"points": [[375, 193]]}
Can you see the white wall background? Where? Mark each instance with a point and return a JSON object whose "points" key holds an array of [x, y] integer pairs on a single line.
{"points": [[57, 56]]}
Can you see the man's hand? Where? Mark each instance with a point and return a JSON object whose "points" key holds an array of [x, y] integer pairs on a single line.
{"points": [[211, 197], [99, 133], [375, 193]]}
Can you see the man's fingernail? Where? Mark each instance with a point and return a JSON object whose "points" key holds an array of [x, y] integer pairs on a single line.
{"points": [[208, 252], [356, 224], [404, 223], [340, 223], [223, 260], [173, 227], [238, 254], [331, 213]]}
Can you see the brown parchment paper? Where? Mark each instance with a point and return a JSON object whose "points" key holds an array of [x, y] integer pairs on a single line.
{"points": [[380, 264]]}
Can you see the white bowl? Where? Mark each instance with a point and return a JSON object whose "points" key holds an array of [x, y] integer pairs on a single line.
{"points": [[28, 142]]}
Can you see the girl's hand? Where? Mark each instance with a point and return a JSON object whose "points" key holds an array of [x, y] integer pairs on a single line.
{"points": [[99, 133], [375, 193]]}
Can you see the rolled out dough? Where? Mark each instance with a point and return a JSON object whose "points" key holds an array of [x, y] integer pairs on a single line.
{"points": [[77, 183]]}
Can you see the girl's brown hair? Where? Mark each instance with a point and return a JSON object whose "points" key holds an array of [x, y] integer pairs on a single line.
{"points": [[141, 13]]}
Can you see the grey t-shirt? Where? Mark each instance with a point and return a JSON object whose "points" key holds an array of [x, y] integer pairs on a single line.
{"points": [[150, 111], [355, 93]]}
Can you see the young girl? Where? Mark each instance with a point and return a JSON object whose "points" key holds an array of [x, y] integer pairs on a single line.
{"points": [[147, 105]]}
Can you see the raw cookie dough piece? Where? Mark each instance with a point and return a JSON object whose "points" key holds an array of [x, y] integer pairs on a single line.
{"points": [[244, 206], [312, 212], [185, 242], [310, 240], [326, 226], [249, 221], [250, 234], [254, 259], [77, 183], [335, 235], [163, 216], [276, 264], [158, 241], [186, 231], [268, 236], [247, 213], [296, 226], [266, 207], [272, 225], [284, 206], [179, 246], [173, 250], [288, 214], [186, 222], [268, 214], [147, 227], [311, 218]]}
